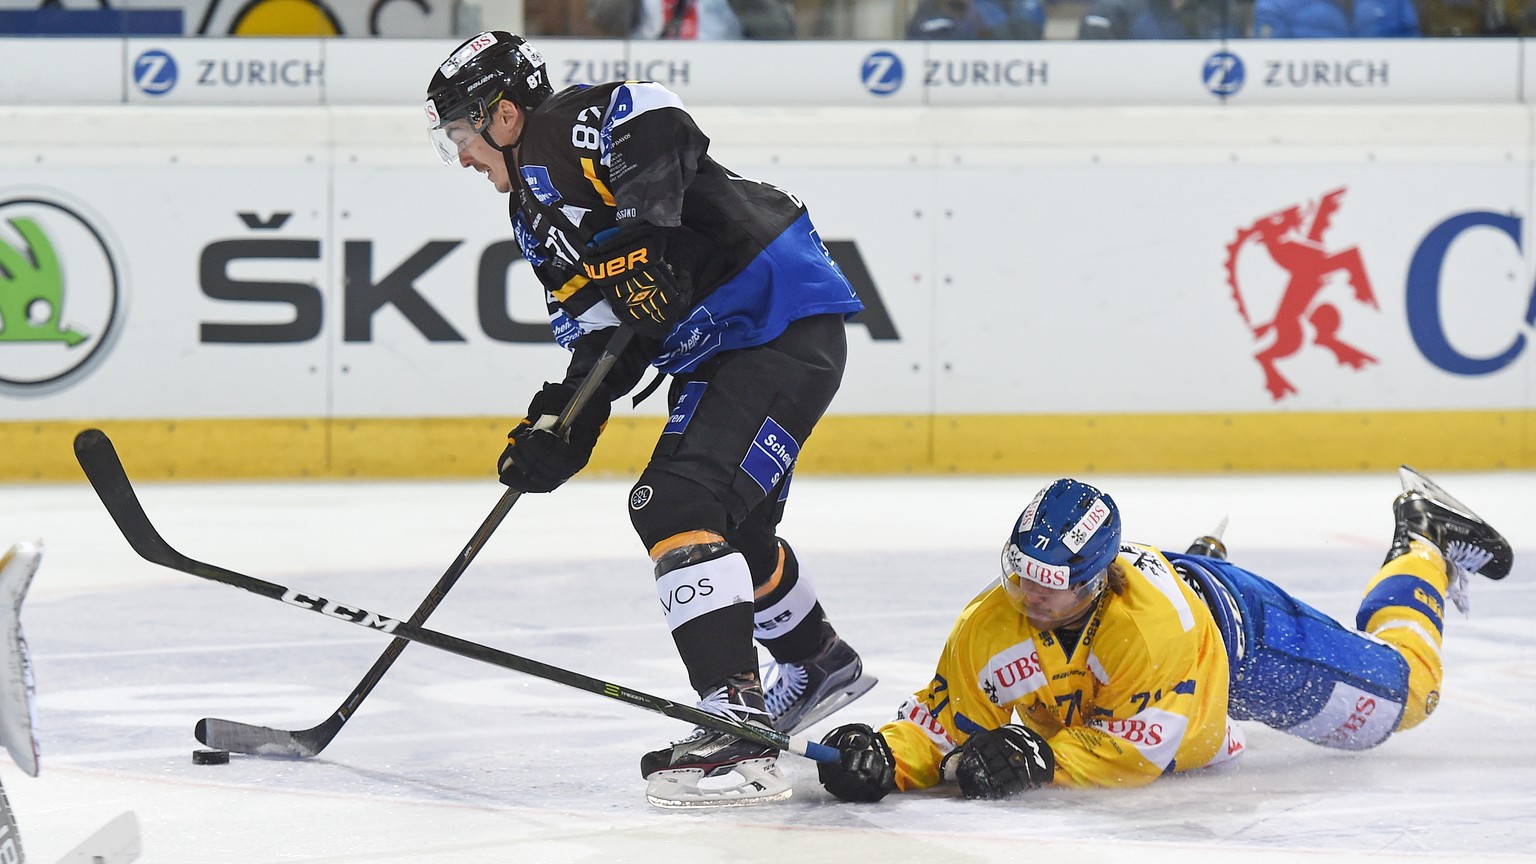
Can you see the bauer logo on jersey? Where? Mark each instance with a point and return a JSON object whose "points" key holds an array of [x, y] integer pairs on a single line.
{"points": [[537, 178], [60, 295], [772, 454], [1078, 534], [687, 403], [1012, 673]]}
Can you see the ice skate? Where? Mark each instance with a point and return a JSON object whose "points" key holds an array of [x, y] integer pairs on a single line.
{"points": [[1210, 545], [1469, 544], [802, 693], [717, 769]]}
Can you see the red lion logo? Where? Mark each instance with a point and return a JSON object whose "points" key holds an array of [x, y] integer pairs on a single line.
{"points": [[1293, 237]]}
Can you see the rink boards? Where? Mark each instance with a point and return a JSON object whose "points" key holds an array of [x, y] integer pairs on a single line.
{"points": [[301, 290]]}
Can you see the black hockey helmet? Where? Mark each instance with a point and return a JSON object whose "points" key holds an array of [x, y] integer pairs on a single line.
{"points": [[487, 68]]}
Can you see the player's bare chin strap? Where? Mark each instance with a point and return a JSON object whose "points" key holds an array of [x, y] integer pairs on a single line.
{"points": [[505, 151]]}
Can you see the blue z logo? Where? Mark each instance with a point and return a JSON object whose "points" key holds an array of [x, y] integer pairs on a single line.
{"points": [[882, 73], [155, 72], [1223, 73]]}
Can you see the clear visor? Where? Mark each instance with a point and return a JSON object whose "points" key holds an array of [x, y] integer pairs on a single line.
{"points": [[1048, 608], [450, 137]]}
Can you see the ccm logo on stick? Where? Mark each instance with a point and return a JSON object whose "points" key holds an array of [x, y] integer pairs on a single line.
{"points": [[336, 610]]}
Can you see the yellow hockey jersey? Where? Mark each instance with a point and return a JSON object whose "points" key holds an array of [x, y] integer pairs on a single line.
{"points": [[1141, 693]]}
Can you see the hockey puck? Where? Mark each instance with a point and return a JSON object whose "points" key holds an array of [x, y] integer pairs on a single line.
{"points": [[210, 757]]}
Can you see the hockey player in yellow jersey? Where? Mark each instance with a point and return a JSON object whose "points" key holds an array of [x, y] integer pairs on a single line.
{"points": [[1097, 662]]}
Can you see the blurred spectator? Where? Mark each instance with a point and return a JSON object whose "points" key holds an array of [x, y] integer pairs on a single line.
{"points": [[765, 19], [1327, 19], [556, 18], [1161, 19], [1478, 18], [977, 19], [693, 19]]}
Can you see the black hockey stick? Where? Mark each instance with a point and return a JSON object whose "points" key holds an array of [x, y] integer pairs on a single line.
{"points": [[267, 741], [105, 471]]}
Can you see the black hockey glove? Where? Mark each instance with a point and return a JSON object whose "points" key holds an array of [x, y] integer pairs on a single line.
{"points": [[636, 280], [867, 771], [999, 763], [539, 460]]}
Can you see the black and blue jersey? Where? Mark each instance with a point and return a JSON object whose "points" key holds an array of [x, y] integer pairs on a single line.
{"points": [[595, 158]]}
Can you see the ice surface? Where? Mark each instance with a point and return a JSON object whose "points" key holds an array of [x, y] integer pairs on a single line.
{"points": [[456, 761]]}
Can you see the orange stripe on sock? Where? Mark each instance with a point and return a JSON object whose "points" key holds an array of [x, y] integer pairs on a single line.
{"points": [[687, 538], [766, 588]]}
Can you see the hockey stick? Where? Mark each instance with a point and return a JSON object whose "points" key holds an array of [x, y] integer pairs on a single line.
{"points": [[267, 741], [105, 471]]}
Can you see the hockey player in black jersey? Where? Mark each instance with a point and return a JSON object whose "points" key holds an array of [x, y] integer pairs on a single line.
{"points": [[628, 222]]}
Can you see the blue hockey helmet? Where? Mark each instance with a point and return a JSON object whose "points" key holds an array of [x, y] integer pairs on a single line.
{"points": [[1064, 541]]}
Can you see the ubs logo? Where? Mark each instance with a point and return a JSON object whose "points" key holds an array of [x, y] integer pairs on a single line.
{"points": [[1293, 240], [882, 73], [60, 296]]}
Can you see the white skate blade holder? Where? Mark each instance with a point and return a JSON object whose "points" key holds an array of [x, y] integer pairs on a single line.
{"points": [[17, 718], [752, 781]]}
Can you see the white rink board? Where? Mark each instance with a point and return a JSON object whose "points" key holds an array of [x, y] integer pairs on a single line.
{"points": [[1242, 72], [225, 71], [30, 73], [1377, 71], [1150, 259], [278, 71], [1030, 261]]}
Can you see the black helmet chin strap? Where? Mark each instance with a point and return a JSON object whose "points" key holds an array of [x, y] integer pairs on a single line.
{"points": [[486, 134]]}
